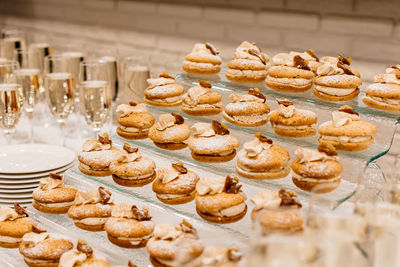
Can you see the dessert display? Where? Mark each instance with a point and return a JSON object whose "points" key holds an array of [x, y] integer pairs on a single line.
{"points": [[14, 224], [317, 171], [346, 131], [277, 211], [134, 121], [247, 110], [44, 249], [132, 169], [261, 159], [200, 100], [82, 256], [97, 155], [174, 245], [163, 91], [175, 184], [290, 73], [220, 200], [52, 195], [384, 93], [170, 132], [91, 209], [219, 257], [204, 59], [290, 121], [336, 80], [249, 64], [212, 142], [128, 226]]}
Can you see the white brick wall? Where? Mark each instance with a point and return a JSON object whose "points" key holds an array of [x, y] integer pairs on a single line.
{"points": [[288, 20], [235, 16]]}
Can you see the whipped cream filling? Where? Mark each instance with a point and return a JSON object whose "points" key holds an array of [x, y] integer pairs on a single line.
{"points": [[300, 127], [200, 65], [249, 118], [346, 139], [231, 211], [93, 221], [291, 81], [37, 261], [132, 129], [314, 180], [171, 196], [279, 169], [388, 101], [247, 72], [127, 177], [176, 263], [10, 239], [135, 240], [168, 99], [56, 205], [334, 91], [225, 153], [87, 167], [202, 106]]}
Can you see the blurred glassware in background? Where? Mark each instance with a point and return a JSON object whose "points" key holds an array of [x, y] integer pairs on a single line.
{"points": [[59, 88], [71, 63], [11, 104], [95, 95], [7, 71], [11, 39], [136, 71]]}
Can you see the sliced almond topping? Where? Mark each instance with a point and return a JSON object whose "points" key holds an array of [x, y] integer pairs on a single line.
{"points": [[328, 149], [256, 92], [178, 118], [344, 60], [130, 264], [166, 75], [300, 63], [179, 167], [395, 67], [312, 54], [105, 195], [83, 247], [219, 128], [345, 68], [284, 102], [212, 49], [289, 198], [205, 84], [262, 138], [37, 230], [105, 139], [187, 227], [55, 176], [130, 149], [255, 53], [140, 215], [347, 109], [234, 254], [132, 103], [20, 210], [232, 185]]}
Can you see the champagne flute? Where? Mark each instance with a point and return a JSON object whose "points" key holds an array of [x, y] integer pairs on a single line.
{"points": [[7, 71], [11, 39], [71, 62], [136, 71], [95, 95], [59, 87], [28, 77], [41, 50], [11, 103]]}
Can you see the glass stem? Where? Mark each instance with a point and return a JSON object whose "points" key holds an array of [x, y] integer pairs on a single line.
{"points": [[62, 129], [31, 133], [8, 134]]}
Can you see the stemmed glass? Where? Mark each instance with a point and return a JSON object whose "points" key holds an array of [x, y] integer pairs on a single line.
{"points": [[135, 71], [28, 78], [11, 39], [95, 95], [59, 87]]}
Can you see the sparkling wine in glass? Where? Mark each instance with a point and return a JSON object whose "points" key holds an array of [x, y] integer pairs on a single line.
{"points": [[11, 105], [71, 61], [135, 73], [11, 39]]}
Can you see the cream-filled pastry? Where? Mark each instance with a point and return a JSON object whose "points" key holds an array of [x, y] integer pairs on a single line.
{"points": [[82, 256], [163, 91], [204, 59], [219, 257], [134, 120]]}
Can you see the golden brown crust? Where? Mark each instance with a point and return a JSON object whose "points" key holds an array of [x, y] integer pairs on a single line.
{"points": [[246, 108], [217, 202], [281, 220], [54, 210], [134, 182], [244, 65], [252, 124], [93, 262], [175, 134], [318, 169], [301, 117], [263, 175], [164, 91], [295, 133], [17, 228], [92, 228], [222, 220], [328, 97], [55, 195], [339, 81], [273, 158], [178, 200], [347, 146], [213, 158], [163, 104], [378, 105], [78, 212], [126, 243], [48, 249], [184, 184], [207, 111], [31, 263], [352, 129], [156, 263], [94, 172], [9, 245], [245, 78], [171, 146], [318, 186], [213, 145], [284, 87], [128, 228], [384, 90], [137, 120], [189, 68], [289, 72], [132, 135]]}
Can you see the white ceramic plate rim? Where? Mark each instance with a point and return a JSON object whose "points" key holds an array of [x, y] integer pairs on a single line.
{"points": [[15, 196], [23, 181], [35, 175], [17, 190], [60, 156], [11, 201]]}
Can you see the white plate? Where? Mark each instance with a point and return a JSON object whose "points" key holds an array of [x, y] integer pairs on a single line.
{"points": [[35, 175], [15, 196], [20, 201], [16, 190], [22, 181], [29, 158], [15, 186]]}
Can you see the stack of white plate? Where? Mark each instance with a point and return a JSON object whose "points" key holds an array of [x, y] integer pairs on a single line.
{"points": [[22, 166]]}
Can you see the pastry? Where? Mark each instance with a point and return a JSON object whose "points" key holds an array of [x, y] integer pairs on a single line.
{"points": [[175, 184], [132, 169], [174, 245], [170, 132], [97, 155], [291, 73], [212, 142], [317, 171], [290, 121], [261, 159], [53, 196], [91, 209], [134, 121], [336, 80], [384, 93], [249, 64], [200, 100], [204, 59], [219, 257], [43, 249], [129, 227], [346, 131], [220, 200], [247, 110], [277, 211], [163, 91], [82, 256], [14, 224]]}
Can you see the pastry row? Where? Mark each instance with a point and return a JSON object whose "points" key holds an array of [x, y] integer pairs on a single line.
{"points": [[333, 77], [345, 131]]}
